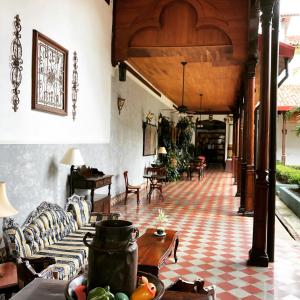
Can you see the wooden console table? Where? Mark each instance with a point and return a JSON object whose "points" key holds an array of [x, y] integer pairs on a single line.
{"points": [[100, 203]]}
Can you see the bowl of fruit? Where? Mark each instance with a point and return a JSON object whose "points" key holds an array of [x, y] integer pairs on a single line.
{"points": [[148, 287]]}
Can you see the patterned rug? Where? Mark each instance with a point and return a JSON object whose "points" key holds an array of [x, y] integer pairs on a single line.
{"points": [[214, 241]]}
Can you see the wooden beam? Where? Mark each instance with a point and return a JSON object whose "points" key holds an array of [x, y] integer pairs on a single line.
{"points": [[195, 54]]}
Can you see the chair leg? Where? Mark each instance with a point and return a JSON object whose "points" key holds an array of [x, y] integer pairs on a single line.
{"points": [[149, 194], [126, 195], [161, 194], [138, 197]]}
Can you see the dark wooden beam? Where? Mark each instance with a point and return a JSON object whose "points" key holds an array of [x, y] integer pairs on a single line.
{"points": [[215, 54]]}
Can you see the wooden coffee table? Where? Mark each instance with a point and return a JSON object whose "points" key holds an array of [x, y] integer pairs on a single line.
{"points": [[50, 289], [154, 250]]}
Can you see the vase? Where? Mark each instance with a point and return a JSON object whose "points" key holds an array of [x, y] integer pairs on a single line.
{"points": [[113, 256]]}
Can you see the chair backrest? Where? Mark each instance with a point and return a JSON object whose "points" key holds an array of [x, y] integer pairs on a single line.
{"points": [[202, 158], [126, 178]]}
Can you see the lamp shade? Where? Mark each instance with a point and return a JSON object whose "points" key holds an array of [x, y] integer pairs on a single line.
{"points": [[162, 150], [6, 209], [72, 157]]}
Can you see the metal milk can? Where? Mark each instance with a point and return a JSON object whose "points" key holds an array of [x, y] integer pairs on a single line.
{"points": [[113, 256]]}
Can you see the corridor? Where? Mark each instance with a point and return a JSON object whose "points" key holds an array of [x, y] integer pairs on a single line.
{"points": [[214, 240]]}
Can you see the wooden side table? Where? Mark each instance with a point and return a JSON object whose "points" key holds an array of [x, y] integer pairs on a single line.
{"points": [[92, 183], [8, 279]]}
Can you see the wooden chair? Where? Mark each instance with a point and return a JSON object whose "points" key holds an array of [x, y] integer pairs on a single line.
{"points": [[156, 184], [196, 166], [131, 189], [161, 171], [203, 160]]}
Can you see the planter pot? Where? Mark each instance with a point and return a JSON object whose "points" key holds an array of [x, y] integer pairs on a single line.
{"points": [[290, 198]]}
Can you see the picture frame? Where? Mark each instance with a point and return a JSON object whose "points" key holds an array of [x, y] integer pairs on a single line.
{"points": [[149, 139], [49, 75]]}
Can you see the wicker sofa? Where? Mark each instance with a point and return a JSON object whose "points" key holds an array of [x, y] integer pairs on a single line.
{"points": [[53, 232]]}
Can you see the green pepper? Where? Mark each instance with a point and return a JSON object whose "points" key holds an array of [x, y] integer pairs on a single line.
{"points": [[121, 296], [100, 293]]}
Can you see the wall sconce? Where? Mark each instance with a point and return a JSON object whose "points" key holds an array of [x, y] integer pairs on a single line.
{"points": [[121, 102]]}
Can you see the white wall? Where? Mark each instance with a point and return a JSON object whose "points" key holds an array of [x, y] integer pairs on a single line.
{"points": [[83, 26], [292, 148], [32, 143]]}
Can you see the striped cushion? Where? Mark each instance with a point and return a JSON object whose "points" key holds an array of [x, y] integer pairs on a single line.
{"points": [[80, 208], [17, 243], [48, 228], [70, 253]]}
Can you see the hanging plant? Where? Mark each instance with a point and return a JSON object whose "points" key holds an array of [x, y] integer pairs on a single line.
{"points": [[164, 132]]}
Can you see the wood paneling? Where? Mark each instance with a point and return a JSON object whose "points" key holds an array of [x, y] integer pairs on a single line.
{"points": [[155, 36]]}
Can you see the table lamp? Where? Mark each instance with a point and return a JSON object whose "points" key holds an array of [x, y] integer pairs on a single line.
{"points": [[72, 158], [161, 151], [6, 209]]}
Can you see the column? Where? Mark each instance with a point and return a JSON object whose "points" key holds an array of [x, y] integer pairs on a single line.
{"points": [[272, 143], [283, 140], [240, 155], [233, 148], [242, 207], [258, 255], [250, 172], [236, 157], [230, 138]]}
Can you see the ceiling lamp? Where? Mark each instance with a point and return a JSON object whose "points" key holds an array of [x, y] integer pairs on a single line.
{"points": [[182, 108], [201, 125]]}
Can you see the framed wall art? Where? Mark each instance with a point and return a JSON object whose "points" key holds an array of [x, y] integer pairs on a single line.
{"points": [[49, 75], [150, 139]]}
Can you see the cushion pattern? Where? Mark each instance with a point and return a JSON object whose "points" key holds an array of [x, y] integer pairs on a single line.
{"points": [[70, 253], [13, 233], [80, 207], [52, 231]]}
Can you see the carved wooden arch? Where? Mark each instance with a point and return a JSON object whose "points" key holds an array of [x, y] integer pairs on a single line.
{"points": [[200, 6], [163, 36]]}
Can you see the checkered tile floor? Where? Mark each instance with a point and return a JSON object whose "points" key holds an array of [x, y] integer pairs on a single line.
{"points": [[214, 240]]}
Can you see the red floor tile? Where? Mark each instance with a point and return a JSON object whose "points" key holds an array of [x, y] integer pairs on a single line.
{"points": [[215, 240]]}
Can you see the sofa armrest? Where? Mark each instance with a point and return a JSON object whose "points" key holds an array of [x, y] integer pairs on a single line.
{"points": [[31, 268], [40, 263], [96, 216]]}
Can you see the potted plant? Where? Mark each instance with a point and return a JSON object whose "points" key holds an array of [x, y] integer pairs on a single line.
{"points": [[162, 219]]}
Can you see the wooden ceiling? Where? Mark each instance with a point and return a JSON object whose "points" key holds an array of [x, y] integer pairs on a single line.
{"points": [[211, 35]]}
